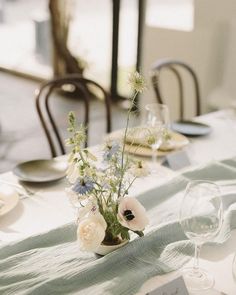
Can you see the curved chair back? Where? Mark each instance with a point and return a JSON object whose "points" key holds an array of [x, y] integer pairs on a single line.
{"points": [[82, 86], [175, 67]]}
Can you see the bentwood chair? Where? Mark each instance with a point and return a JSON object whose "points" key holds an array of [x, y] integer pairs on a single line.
{"points": [[85, 90], [177, 67]]}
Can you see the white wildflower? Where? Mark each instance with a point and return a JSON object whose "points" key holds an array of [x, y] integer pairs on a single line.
{"points": [[137, 82], [139, 169]]}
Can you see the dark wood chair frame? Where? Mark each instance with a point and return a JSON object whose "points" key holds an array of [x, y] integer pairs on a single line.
{"points": [[43, 107], [173, 65]]}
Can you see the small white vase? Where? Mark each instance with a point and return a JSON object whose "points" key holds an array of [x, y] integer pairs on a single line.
{"points": [[106, 249]]}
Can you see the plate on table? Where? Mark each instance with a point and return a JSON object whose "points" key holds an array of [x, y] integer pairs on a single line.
{"points": [[191, 128], [9, 198], [178, 141], [41, 170], [136, 144]]}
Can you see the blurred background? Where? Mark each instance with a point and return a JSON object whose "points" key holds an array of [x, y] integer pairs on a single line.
{"points": [[105, 40]]}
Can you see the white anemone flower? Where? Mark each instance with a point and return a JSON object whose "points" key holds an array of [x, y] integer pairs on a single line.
{"points": [[131, 214]]}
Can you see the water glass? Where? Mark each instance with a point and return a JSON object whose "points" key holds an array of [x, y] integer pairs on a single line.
{"points": [[201, 219], [157, 123]]}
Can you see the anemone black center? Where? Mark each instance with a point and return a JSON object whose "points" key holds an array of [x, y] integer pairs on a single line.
{"points": [[128, 215], [82, 182]]}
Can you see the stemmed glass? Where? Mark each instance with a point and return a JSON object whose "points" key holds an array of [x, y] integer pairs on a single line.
{"points": [[157, 122], [234, 267], [201, 219]]}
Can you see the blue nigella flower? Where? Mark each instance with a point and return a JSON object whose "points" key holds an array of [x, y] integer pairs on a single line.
{"points": [[83, 186], [111, 149]]}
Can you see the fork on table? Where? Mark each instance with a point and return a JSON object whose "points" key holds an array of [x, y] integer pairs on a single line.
{"points": [[23, 190]]}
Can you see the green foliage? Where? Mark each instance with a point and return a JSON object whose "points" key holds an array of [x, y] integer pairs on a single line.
{"points": [[110, 184]]}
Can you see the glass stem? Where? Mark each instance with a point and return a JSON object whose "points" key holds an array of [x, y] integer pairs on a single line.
{"points": [[154, 158], [196, 258]]}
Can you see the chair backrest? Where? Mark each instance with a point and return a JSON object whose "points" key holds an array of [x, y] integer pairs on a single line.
{"points": [[175, 67], [82, 87]]}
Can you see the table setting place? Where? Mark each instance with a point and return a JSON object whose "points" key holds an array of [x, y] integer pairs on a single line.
{"points": [[135, 215]]}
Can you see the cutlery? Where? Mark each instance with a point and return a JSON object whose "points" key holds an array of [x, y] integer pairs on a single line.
{"points": [[24, 190]]}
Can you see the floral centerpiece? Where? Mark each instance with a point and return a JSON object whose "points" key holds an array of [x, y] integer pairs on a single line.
{"points": [[106, 212]]}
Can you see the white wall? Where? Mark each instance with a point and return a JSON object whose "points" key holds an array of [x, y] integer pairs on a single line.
{"points": [[205, 49]]}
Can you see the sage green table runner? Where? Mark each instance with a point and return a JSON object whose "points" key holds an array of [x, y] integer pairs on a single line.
{"points": [[51, 263]]}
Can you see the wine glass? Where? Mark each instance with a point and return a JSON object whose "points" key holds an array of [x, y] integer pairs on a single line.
{"points": [[157, 123], [234, 267], [201, 219]]}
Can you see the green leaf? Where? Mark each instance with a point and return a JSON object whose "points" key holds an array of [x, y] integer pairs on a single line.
{"points": [[71, 118], [125, 234], [139, 233]]}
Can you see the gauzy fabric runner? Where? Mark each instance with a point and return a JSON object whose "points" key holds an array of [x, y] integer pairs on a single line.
{"points": [[51, 263]]}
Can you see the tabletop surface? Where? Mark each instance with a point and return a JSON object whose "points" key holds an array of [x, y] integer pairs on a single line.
{"points": [[49, 208]]}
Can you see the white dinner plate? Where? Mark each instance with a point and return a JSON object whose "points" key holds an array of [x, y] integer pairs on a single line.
{"points": [[9, 197], [41, 170], [178, 141], [191, 128]]}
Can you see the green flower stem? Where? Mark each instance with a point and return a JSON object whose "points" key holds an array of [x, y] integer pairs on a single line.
{"points": [[123, 147], [82, 157], [99, 203], [129, 186], [100, 190]]}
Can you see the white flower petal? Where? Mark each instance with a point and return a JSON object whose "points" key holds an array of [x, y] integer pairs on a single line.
{"points": [[139, 169], [91, 232], [140, 220], [72, 173]]}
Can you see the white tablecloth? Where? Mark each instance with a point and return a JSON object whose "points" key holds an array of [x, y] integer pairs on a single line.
{"points": [[50, 208]]}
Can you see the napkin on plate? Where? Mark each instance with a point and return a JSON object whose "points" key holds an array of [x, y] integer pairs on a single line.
{"points": [[139, 136]]}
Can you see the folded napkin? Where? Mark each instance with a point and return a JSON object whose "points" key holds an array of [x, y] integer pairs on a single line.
{"points": [[52, 263], [140, 135]]}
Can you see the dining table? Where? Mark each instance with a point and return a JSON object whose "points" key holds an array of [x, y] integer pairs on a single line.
{"points": [[39, 253]]}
